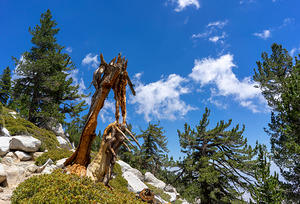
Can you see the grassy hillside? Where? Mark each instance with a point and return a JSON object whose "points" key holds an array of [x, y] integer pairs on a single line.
{"points": [[17, 125]]}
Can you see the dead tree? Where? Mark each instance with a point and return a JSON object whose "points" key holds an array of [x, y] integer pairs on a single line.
{"points": [[108, 76]]}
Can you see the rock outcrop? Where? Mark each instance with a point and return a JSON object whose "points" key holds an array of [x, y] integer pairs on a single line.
{"points": [[4, 145], [25, 143]]}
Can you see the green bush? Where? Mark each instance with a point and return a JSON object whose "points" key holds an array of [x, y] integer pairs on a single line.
{"points": [[20, 126], [159, 192], [118, 182], [54, 155], [67, 188]]}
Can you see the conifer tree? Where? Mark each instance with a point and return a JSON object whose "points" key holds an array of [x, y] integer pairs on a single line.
{"points": [[154, 147], [44, 88], [217, 164], [278, 77], [267, 188], [5, 86]]}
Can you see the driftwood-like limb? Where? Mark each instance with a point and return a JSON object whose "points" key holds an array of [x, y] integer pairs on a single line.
{"points": [[101, 167], [108, 76]]}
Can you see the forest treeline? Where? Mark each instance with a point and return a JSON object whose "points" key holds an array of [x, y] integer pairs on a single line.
{"points": [[218, 165]]}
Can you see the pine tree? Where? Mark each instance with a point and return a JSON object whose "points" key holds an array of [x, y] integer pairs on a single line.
{"points": [[5, 86], [44, 88], [154, 147], [278, 77], [267, 188], [217, 164]]}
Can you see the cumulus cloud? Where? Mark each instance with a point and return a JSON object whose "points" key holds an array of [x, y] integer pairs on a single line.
{"points": [[218, 72], [264, 34], [91, 60], [181, 4], [161, 99]]}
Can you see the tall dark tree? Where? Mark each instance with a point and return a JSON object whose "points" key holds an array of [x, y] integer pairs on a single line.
{"points": [[217, 164], [5, 86], [154, 147], [44, 88], [267, 188], [278, 76]]}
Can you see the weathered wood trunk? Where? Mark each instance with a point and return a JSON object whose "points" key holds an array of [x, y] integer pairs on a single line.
{"points": [[106, 77]]}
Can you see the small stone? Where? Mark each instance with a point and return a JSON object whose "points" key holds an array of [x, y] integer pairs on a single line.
{"points": [[4, 145], [23, 156], [3, 174], [32, 168], [36, 154], [60, 163]]}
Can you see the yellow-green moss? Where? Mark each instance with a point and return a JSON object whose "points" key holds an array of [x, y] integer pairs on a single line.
{"points": [[54, 155], [159, 192], [59, 187], [19, 126]]}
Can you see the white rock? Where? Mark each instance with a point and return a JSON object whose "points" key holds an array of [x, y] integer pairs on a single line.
{"points": [[15, 174], [170, 189], [151, 179], [127, 168], [60, 163], [63, 143], [32, 168], [48, 169], [41, 168], [134, 183], [11, 155], [23, 156], [3, 174], [37, 154], [4, 145], [5, 132], [173, 196], [184, 201], [25, 143], [158, 198], [58, 130], [13, 114]]}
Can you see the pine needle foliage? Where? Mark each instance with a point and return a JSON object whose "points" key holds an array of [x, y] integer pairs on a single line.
{"points": [[278, 76], [5, 86], [217, 163], [43, 89]]}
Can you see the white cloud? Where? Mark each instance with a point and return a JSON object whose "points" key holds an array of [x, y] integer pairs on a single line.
{"points": [[264, 34], [69, 49], [293, 51], [161, 99], [107, 112], [219, 72], [80, 82], [219, 24], [214, 33], [181, 4], [217, 38], [91, 60]]}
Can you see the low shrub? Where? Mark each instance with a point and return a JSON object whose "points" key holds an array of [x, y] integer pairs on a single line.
{"points": [[54, 155], [119, 182], [159, 192], [59, 187]]}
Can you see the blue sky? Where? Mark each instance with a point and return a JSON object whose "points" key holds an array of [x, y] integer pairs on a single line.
{"points": [[184, 55]]}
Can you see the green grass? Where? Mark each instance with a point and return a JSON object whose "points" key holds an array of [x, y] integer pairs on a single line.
{"points": [[20, 126]]}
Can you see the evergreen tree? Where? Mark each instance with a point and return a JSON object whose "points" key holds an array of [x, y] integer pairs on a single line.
{"points": [[267, 188], [5, 86], [154, 148], [278, 77], [217, 164], [44, 88]]}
